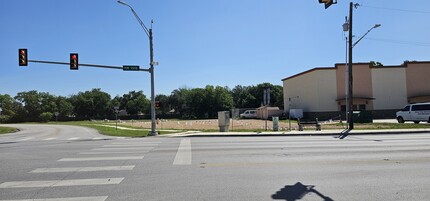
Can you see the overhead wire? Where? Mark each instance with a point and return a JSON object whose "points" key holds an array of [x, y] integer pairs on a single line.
{"points": [[396, 9], [398, 41]]}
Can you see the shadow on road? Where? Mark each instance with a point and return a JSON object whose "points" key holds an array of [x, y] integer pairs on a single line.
{"points": [[297, 192], [344, 134]]}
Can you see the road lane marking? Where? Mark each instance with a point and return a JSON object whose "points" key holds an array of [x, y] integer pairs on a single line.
{"points": [[183, 156], [73, 138], [102, 158], [95, 198], [130, 145], [114, 152], [49, 139], [82, 169], [25, 139], [122, 148], [59, 183]]}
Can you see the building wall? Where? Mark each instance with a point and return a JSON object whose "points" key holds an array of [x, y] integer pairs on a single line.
{"points": [[362, 85], [362, 81], [311, 91], [418, 79], [389, 88], [383, 89]]}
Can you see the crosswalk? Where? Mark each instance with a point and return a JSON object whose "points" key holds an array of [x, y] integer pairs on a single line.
{"points": [[126, 150]]}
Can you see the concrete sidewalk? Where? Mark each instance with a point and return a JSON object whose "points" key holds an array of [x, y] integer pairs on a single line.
{"points": [[298, 133]]}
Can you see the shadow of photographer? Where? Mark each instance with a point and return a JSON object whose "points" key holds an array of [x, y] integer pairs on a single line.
{"points": [[297, 192]]}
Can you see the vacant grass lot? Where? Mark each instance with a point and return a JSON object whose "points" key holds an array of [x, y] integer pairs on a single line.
{"points": [[106, 128], [258, 125]]}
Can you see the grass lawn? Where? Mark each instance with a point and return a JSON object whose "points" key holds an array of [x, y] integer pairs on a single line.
{"points": [[112, 131], [4, 130]]}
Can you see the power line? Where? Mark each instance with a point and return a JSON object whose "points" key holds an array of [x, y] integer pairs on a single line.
{"points": [[396, 9], [399, 42]]}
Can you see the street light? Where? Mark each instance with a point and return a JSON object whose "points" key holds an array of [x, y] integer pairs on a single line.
{"points": [[348, 27], [374, 27], [151, 68]]}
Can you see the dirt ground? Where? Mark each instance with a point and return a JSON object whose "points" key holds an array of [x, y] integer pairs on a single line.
{"points": [[212, 124]]}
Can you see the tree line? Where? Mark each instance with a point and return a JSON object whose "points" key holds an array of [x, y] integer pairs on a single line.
{"points": [[186, 103]]}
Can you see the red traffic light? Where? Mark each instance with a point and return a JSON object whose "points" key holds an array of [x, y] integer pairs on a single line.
{"points": [[22, 57], [74, 61]]}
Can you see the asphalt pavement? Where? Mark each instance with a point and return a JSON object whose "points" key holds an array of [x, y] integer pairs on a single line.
{"points": [[68, 163]]}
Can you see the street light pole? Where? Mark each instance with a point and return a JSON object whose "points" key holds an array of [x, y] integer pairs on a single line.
{"points": [[350, 47], [151, 68], [350, 102]]}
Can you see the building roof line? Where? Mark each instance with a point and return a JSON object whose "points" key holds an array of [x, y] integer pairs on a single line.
{"points": [[404, 65]]}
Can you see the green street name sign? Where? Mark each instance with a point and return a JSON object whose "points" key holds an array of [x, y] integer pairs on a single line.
{"points": [[130, 68]]}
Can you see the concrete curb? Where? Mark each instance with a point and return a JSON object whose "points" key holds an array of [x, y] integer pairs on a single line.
{"points": [[299, 133]]}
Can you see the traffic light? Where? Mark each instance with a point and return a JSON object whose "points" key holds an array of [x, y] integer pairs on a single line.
{"points": [[157, 104], [23, 61], [327, 3], [74, 64]]}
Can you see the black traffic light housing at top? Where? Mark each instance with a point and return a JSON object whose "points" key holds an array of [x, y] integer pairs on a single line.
{"points": [[328, 3], [22, 57], [74, 61]]}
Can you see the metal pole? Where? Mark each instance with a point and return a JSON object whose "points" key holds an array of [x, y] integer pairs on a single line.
{"points": [[151, 70], [350, 80]]}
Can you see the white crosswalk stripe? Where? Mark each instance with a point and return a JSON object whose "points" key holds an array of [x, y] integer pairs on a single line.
{"points": [[102, 158], [123, 150], [183, 156], [82, 169], [58, 183]]}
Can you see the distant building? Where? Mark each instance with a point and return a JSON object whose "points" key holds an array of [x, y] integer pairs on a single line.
{"points": [[321, 92]]}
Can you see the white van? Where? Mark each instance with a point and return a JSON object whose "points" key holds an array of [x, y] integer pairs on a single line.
{"points": [[414, 112], [249, 114]]}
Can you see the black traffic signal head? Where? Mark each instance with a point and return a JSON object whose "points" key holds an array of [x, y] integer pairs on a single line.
{"points": [[157, 104], [22, 57], [327, 3], [74, 61]]}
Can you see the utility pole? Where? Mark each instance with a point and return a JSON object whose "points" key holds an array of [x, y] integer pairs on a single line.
{"points": [[350, 96]]}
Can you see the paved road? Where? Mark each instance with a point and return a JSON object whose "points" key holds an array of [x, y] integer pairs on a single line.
{"points": [[67, 163]]}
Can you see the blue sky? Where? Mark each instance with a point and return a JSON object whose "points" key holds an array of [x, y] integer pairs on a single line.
{"points": [[215, 42]]}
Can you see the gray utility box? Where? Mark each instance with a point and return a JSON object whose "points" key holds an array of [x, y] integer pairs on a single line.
{"points": [[223, 121], [275, 121]]}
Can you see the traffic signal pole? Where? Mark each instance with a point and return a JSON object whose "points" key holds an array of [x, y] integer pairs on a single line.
{"points": [[151, 71]]}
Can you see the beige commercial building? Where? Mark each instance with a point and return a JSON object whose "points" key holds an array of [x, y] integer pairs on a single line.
{"points": [[321, 92]]}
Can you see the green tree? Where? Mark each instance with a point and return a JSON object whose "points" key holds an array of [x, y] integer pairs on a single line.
{"points": [[35, 103], [10, 109], [222, 101], [92, 104], [165, 105], [242, 97], [178, 100], [135, 103], [64, 106]]}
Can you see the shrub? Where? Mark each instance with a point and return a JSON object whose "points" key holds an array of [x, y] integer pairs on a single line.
{"points": [[46, 116]]}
